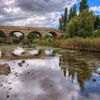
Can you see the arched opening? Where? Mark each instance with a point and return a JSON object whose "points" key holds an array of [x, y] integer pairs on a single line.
{"points": [[51, 35], [16, 36], [34, 35], [2, 36]]}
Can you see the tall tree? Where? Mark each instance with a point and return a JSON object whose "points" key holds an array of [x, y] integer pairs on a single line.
{"points": [[83, 5], [72, 12], [60, 24], [63, 20], [97, 22]]}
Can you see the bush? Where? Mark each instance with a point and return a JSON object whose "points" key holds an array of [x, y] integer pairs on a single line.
{"points": [[96, 33], [2, 40], [15, 40]]}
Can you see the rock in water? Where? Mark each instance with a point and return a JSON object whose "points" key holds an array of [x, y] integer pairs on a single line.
{"points": [[5, 69]]}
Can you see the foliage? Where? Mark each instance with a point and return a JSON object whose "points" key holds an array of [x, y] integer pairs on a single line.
{"points": [[97, 22], [15, 40], [63, 20], [33, 36], [82, 25], [83, 5], [72, 12], [88, 44], [2, 34], [2, 40], [49, 38], [96, 33]]}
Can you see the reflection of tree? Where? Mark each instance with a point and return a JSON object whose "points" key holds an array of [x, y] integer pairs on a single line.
{"points": [[83, 74], [71, 72], [77, 65], [64, 69]]}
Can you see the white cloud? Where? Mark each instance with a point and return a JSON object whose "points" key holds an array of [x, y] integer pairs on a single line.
{"points": [[95, 8], [44, 13]]}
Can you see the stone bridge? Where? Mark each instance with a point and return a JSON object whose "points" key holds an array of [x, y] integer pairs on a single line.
{"points": [[7, 30]]}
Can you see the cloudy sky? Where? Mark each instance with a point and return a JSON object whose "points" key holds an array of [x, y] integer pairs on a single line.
{"points": [[37, 13]]}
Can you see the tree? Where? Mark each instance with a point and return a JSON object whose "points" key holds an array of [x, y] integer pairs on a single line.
{"points": [[83, 5], [60, 24], [63, 20], [82, 25], [72, 12], [97, 22], [32, 36]]}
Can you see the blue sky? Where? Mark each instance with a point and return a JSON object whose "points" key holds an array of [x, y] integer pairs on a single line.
{"points": [[96, 4]]}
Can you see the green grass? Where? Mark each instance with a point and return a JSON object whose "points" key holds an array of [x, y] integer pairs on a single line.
{"points": [[88, 44], [8, 47]]}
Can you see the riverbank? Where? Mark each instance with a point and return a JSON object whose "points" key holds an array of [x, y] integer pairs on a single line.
{"points": [[82, 44]]}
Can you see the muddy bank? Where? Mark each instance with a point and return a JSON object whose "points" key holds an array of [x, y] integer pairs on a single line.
{"points": [[5, 69]]}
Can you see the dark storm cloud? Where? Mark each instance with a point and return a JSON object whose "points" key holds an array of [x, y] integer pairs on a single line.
{"points": [[41, 6], [30, 12]]}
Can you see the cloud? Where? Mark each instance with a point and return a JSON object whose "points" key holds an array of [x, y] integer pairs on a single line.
{"points": [[32, 13], [95, 8]]}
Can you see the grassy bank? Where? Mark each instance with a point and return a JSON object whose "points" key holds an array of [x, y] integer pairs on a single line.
{"points": [[87, 44]]}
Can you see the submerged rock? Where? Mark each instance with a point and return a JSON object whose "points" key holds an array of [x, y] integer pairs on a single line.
{"points": [[20, 64], [23, 61], [5, 69]]}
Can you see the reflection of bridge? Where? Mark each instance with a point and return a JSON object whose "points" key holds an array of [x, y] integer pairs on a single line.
{"points": [[7, 30]]}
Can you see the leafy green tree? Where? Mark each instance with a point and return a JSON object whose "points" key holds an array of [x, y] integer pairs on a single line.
{"points": [[82, 25], [83, 5], [32, 36]]}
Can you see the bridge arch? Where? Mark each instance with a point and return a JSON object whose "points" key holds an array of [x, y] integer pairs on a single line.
{"points": [[34, 35], [52, 34], [16, 34], [2, 34]]}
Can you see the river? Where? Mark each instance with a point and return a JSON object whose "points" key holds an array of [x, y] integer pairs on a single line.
{"points": [[68, 75]]}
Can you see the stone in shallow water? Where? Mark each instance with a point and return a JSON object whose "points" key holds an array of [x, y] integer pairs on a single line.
{"points": [[5, 69]]}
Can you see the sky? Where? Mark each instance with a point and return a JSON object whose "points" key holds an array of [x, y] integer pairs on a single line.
{"points": [[37, 13]]}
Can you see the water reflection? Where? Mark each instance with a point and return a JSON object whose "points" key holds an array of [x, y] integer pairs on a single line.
{"points": [[68, 76], [81, 70]]}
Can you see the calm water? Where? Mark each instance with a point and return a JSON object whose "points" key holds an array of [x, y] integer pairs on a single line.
{"points": [[83, 71], [71, 75]]}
